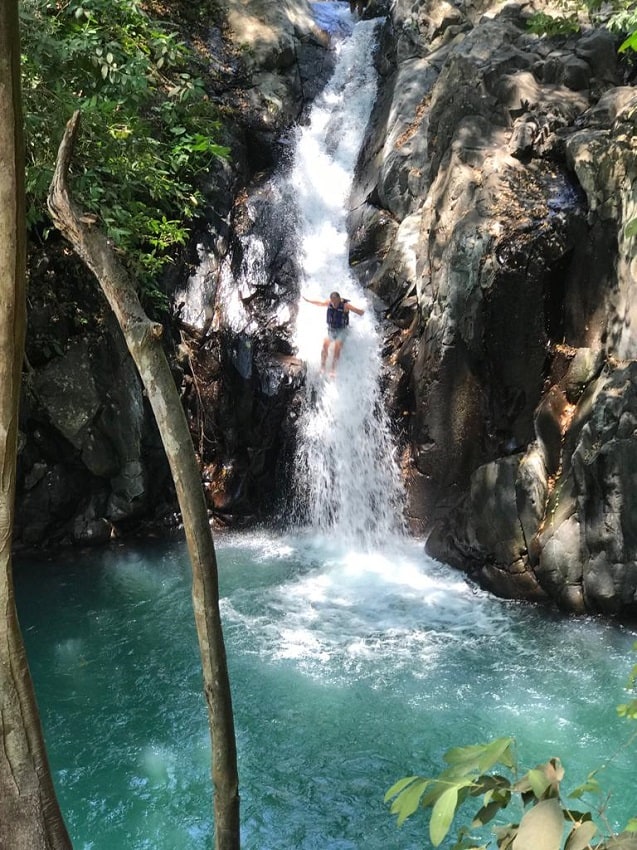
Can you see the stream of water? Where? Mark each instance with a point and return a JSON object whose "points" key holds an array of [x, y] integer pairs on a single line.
{"points": [[347, 480], [354, 658]]}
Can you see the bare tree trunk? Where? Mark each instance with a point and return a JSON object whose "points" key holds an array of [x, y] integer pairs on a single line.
{"points": [[30, 818], [143, 341]]}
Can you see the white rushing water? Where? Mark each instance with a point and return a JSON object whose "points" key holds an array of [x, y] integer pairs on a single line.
{"points": [[346, 477]]}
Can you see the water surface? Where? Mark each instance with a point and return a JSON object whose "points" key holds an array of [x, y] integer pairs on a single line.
{"points": [[350, 668]]}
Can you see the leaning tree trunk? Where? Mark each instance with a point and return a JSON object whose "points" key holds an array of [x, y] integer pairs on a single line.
{"points": [[143, 339], [30, 818]]}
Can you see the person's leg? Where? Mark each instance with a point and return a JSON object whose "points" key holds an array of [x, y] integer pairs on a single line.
{"points": [[338, 344], [324, 350]]}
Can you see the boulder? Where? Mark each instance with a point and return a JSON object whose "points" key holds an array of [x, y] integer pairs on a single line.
{"points": [[85, 461]]}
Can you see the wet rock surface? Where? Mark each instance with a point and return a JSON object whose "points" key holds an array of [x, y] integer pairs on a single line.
{"points": [[505, 165]]}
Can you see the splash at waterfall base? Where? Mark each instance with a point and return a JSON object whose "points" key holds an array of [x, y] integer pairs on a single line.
{"points": [[349, 668], [503, 258], [488, 247], [492, 253]]}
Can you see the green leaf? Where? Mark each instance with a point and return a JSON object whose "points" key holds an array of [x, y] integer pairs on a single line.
{"points": [[442, 814], [463, 756], [631, 826], [435, 790], [397, 787], [489, 782], [480, 757], [407, 801], [631, 226], [591, 786], [629, 44], [541, 828], [487, 813], [580, 836], [538, 781], [499, 751]]}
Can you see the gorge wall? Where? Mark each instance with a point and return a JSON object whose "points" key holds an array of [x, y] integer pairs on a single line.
{"points": [[90, 464], [497, 182], [488, 221]]}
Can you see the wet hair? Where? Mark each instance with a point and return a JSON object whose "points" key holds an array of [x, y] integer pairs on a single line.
{"points": [[335, 295]]}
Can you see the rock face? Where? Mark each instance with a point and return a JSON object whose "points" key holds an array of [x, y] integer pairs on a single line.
{"points": [[87, 445], [498, 177], [236, 311], [91, 464]]}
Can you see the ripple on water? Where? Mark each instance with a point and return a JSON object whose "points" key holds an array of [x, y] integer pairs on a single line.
{"points": [[349, 670]]}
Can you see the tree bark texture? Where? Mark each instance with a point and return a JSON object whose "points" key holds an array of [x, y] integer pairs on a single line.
{"points": [[30, 818], [143, 338]]}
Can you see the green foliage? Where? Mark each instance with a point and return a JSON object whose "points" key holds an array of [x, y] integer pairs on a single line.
{"points": [[622, 19], [490, 772], [466, 775], [542, 24], [547, 821], [148, 128], [630, 43]]}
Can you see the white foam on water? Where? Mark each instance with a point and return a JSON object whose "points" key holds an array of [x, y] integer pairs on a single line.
{"points": [[336, 605]]}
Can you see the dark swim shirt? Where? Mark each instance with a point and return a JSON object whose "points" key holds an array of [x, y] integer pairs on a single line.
{"points": [[337, 317]]}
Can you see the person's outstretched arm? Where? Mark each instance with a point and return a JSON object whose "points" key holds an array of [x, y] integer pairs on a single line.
{"points": [[318, 303], [350, 307]]}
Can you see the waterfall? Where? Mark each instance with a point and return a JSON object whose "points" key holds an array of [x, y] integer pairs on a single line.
{"points": [[346, 474]]}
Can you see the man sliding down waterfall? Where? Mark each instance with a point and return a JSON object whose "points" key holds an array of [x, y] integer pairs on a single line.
{"points": [[338, 310]]}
